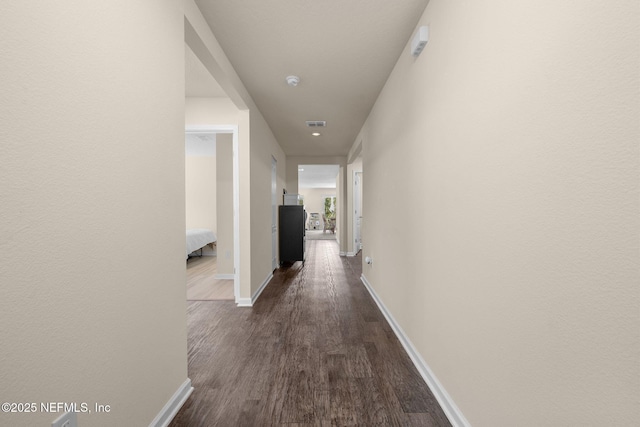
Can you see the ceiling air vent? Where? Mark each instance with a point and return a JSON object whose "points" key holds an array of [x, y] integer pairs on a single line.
{"points": [[316, 123]]}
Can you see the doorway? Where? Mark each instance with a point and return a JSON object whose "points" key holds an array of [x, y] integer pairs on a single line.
{"points": [[318, 188], [274, 214], [233, 130], [357, 211]]}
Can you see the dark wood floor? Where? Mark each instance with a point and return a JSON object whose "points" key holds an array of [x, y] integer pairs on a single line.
{"points": [[313, 351]]}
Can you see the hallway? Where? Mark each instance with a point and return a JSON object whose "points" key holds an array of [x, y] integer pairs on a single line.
{"points": [[314, 350]]}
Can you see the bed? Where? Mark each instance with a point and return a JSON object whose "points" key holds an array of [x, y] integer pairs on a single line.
{"points": [[197, 238]]}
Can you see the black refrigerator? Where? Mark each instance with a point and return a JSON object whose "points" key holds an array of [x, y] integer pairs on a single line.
{"points": [[292, 240]]}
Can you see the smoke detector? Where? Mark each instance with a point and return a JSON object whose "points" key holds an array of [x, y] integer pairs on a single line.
{"points": [[293, 80]]}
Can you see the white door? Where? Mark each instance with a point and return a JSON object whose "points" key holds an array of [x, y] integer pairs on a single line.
{"points": [[357, 210], [274, 213]]}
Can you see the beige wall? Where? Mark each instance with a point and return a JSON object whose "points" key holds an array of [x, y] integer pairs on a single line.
{"points": [[200, 192], [263, 147], [210, 111], [512, 143], [224, 203], [92, 152]]}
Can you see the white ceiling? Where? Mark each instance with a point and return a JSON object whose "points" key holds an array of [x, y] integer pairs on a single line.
{"points": [[200, 144], [342, 50], [317, 176]]}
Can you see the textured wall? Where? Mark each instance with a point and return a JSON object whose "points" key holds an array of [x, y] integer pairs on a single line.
{"points": [[92, 207], [263, 147], [502, 208], [224, 202]]}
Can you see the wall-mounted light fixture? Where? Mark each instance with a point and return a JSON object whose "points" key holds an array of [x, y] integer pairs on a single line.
{"points": [[419, 40]]}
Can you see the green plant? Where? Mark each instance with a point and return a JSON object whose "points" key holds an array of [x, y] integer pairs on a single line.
{"points": [[330, 207]]}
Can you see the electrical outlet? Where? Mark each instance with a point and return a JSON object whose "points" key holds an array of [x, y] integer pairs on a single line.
{"points": [[68, 419]]}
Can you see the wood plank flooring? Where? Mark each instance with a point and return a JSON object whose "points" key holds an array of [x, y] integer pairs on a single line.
{"points": [[202, 284], [320, 235], [313, 351]]}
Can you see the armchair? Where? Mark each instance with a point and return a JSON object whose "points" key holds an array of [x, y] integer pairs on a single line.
{"points": [[329, 224]]}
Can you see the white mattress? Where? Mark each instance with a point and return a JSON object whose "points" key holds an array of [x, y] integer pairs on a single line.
{"points": [[199, 237]]}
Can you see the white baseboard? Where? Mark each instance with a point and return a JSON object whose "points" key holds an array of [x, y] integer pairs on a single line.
{"points": [[342, 253], [266, 281], [248, 302], [447, 404], [174, 404], [244, 302], [224, 276]]}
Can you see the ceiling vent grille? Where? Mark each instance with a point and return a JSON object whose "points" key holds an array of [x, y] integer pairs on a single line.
{"points": [[316, 123]]}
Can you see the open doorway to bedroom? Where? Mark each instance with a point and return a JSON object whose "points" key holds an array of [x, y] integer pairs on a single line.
{"points": [[209, 214], [211, 186]]}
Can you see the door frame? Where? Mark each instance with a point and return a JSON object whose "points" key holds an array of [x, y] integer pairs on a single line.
{"points": [[274, 213], [232, 129], [357, 204]]}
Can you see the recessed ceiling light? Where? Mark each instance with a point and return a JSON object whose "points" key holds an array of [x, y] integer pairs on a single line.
{"points": [[316, 134], [300, 170]]}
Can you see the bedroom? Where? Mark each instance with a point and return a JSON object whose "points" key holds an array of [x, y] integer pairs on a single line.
{"points": [[208, 201]]}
